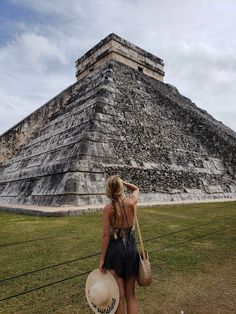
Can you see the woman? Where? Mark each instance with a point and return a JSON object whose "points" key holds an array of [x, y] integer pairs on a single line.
{"points": [[118, 249]]}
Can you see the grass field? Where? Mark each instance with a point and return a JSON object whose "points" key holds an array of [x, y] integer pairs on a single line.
{"points": [[192, 249]]}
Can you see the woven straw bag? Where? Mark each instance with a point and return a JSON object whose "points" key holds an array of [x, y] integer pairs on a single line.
{"points": [[144, 277]]}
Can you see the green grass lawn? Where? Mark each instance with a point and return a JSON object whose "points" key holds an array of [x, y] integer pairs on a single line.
{"points": [[194, 276]]}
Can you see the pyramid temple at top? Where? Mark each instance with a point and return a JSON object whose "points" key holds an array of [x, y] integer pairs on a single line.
{"points": [[118, 118]]}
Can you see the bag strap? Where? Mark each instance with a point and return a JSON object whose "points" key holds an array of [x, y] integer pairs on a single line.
{"points": [[139, 233]]}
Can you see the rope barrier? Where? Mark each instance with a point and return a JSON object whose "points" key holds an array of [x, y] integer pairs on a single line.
{"points": [[48, 267], [192, 239], [71, 232], [36, 239], [97, 253], [87, 272], [186, 229], [44, 286], [26, 241]]}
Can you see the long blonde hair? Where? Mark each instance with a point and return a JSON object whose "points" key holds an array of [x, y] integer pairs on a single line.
{"points": [[114, 187]]}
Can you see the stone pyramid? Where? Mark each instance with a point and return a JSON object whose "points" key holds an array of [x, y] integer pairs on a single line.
{"points": [[118, 118]]}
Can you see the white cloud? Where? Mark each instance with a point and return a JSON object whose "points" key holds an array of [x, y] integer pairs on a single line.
{"points": [[195, 38], [38, 49], [27, 77], [207, 76]]}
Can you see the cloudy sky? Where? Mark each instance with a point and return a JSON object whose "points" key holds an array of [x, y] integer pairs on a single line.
{"points": [[41, 39]]}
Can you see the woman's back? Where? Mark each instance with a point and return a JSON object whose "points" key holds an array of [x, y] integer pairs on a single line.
{"points": [[118, 250], [127, 220]]}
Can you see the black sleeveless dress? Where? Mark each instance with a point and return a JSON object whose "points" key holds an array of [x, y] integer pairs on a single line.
{"points": [[122, 254]]}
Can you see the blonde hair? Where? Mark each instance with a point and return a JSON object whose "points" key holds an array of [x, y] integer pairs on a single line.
{"points": [[114, 187]]}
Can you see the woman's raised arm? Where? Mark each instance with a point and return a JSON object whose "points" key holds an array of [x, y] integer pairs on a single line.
{"points": [[134, 189]]}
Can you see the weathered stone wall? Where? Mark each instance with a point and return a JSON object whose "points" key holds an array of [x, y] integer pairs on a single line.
{"points": [[12, 140], [58, 165], [116, 48], [122, 121], [170, 145], [157, 120]]}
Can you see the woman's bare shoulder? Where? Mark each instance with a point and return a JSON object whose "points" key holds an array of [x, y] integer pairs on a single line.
{"points": [[129, 201], [107, 208]]}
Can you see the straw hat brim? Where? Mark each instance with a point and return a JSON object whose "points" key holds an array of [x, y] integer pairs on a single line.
{"points": [[107, 279]]}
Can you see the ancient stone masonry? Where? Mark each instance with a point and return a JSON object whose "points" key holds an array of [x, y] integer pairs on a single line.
{"points": [[117, 120], [116, 48], [60, 161], [12, 140], [170, 147]]}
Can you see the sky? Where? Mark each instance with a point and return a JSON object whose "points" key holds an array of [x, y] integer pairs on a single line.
{"points": [[40, 40]]}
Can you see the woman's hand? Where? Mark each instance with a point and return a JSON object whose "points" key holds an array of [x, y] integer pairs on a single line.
{"points": [[101, 267], [130, 186]]}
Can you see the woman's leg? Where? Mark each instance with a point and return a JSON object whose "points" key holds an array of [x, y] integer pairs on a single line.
{"points": [[129, 289], [120, 281]]}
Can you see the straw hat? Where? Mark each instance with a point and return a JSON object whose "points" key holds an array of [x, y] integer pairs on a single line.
{"points": [[102, 292]]}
